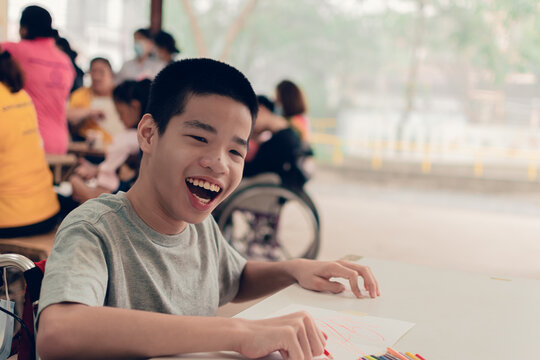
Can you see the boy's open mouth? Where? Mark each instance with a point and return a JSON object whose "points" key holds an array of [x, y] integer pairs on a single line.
{"points": [[203, 190]]}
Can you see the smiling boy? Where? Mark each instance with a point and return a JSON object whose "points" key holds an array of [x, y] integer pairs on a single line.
{"points": [[142, 273]]}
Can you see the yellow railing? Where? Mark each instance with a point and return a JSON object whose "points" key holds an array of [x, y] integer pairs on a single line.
{"points": [[480, 155]]}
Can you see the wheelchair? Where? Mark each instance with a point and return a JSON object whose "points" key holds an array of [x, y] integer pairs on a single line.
{"points": [[23, 343], [271, 217]]}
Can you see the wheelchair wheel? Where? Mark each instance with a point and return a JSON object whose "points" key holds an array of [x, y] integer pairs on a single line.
{"points": [[270, 222]]}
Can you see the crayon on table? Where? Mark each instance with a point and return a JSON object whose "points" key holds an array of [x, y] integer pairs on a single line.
{"points": [[420, 357], [396, 354], [412, 356], [327, 354]]}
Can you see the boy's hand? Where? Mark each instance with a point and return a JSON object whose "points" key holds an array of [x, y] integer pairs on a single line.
{"points": [[315, 275], [295, 336]]}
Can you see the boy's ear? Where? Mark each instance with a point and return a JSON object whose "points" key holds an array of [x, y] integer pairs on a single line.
{"points": [[147, 133]]}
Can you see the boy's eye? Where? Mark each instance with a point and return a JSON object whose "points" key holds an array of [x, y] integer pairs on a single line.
{"points": [[198, 138], [236, 153]]}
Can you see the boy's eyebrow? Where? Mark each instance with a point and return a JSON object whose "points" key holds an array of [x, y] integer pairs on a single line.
{"points": [[240, 141], [200, 125]]}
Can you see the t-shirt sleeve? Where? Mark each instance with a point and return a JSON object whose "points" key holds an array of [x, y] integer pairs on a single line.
{"points": [[80, 98], [231, 265], [76, 270]]}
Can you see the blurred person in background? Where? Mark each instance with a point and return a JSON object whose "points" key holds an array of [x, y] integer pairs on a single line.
{"points": [[64, 45], [144, 66], [279, 148], [28, 203], [49, 75], [92, 108], [165, 47], [293, 107], [89, 180]]}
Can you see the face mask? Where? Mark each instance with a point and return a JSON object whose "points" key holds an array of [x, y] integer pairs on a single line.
{"points": [[139, 49]]}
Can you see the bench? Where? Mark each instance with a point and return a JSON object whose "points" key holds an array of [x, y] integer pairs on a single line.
{"points": [[35, 248], [58, 162]]}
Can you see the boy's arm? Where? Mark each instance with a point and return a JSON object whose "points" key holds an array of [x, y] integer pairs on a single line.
{"points": [[70, 331], [260, 278]]}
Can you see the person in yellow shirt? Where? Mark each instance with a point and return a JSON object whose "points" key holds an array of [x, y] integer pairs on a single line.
{"points": [[28, 203], [91, 109]]}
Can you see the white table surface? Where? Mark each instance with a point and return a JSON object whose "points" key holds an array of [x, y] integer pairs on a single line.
{"points": [[458, 315]]}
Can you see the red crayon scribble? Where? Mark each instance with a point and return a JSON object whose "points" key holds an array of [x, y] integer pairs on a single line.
{"points": [[347, 332]]}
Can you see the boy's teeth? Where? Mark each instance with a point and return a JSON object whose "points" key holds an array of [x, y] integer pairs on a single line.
{"points": [[204, 184], [204, 201]]}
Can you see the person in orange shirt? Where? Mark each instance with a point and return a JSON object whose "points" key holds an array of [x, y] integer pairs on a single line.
{"points": [[28, 203], [92, 108]]}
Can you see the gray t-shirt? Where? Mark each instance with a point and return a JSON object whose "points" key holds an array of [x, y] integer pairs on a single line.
{"points": [[104, 254]]}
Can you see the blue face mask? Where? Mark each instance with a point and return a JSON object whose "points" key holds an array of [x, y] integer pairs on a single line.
{"points": [[139, 49]]}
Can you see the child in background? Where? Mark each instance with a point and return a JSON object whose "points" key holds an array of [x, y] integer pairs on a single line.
{"points": [[278, 148], [28, 203], [92, 108], [130, 99], [141, 274]]}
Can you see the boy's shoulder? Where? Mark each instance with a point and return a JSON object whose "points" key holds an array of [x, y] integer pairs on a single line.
{"points": [[93, 210], [115, 210]]}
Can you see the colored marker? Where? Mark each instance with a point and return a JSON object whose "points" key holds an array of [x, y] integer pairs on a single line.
{"points": [[327, 354], [420, 357], [396, 354]]}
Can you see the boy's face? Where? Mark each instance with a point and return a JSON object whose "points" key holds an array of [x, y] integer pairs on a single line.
{"points": [[198, 161]]}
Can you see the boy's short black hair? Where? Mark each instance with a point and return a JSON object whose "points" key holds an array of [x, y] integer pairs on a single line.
{"points": [[179, 80], [37, 21]]}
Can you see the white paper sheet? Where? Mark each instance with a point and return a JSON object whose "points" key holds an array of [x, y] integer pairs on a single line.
{"points": [[351, 336]]}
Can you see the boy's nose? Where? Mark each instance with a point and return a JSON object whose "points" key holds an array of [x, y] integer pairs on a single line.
{"points": [[214, 162]]}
